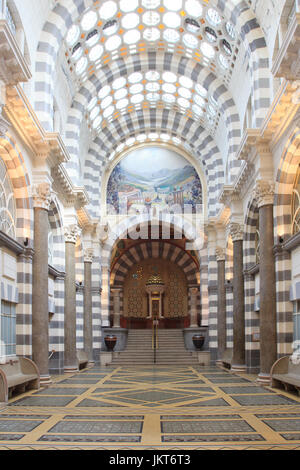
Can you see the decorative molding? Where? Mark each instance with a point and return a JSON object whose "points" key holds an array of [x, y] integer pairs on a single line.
{"points": [[88, 255], [292, 243], [55, 273], [13, 67], [42, 195], [71, 232], [287, 62], [264, 192], [8, 242], [220, 254], [236, 231]]}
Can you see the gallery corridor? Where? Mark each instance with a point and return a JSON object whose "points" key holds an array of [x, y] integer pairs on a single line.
{"points": [[160, 408]]}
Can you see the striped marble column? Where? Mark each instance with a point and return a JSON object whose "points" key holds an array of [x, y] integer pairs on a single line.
{"points": [[238, 358], [264, 194], [117, 307], [220, 255], [71, 234], [40, 310], [88, 314]]}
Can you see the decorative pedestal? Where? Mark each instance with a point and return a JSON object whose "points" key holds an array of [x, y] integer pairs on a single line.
{"points": [[105, 358], [203, 358], [120, 333], [188, 334]]}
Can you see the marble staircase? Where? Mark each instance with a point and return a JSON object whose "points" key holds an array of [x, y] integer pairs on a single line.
{"points": [[171, 349]]}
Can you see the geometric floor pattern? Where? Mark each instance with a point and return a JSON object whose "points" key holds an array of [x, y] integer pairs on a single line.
{"points": [[158, 407]]}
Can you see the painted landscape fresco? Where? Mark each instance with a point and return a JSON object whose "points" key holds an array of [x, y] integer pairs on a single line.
{"points": [[172, 181]]}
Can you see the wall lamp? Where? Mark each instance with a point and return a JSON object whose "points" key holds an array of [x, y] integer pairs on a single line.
{"points": [[26, 241]]}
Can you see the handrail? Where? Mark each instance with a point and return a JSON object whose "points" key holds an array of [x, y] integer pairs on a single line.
{"points": [[154, 339]]}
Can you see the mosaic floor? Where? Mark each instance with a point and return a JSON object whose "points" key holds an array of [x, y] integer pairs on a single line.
{"points": [[152, 408]]}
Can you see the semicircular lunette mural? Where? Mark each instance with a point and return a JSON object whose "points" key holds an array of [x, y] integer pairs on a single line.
{"points": [[154, 179]]}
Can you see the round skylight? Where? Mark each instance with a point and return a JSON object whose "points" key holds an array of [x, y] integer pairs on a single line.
{"points": [[151, 4], [89, 20], [108, 10], [171, 20], [207, 50], [137, 88], [173, 5], [132, 37], [213, 17], [104, 92], [110, 27], [152, 75], [73, 35], [128, 5], [169, 77], [96, 53], [172, 36], [193, 8], [135, 77], [113, 43], [131, 20], [120, 94], [151, 34], [151, 18]]}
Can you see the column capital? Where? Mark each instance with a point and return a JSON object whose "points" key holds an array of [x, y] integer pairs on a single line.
{"points": [[71, 233], [220, 254], [88, 255], [236, 231], [194, 290], [116, 290], [42, 195], [264, 192]]}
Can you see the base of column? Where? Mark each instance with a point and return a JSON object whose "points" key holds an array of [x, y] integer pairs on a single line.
{"points": [[264, 379], [70, 369], [238, 368], [91, 363], [219, 362], [45, 380]]}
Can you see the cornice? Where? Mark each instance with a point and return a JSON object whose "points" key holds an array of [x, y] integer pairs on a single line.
{"points": [[25, 121], [284, 64], [71, 195], [13, 66]]}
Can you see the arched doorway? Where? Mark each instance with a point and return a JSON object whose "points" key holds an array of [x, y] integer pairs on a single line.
{"points": [[154, 279]]}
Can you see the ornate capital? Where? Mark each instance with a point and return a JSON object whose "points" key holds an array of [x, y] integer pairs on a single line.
{"points": [[42, 195], [220, 254], [88, 255], [194, 291], [236, 231], [71, 233], [264, 193]]}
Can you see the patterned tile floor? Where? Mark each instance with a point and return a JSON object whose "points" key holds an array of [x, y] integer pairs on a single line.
{"points": [[152, 408]]}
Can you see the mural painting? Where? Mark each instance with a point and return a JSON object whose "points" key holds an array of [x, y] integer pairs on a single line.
{"points": [[154, 179]]}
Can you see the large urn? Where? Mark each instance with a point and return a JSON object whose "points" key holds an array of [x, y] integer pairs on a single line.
{"points": [[110, 342], [198, 341]]}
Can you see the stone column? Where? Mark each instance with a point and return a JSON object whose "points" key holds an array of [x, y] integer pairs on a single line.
{"points": [[264, 194], [87, 305], [117, 301], [220, 255], [194, 291], [238, 359], [71, 234], [40, 311]]}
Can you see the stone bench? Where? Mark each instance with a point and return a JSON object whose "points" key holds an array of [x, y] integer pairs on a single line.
{"points": [[18, 374], [82, 359], [286, 374], [227, 358]]}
